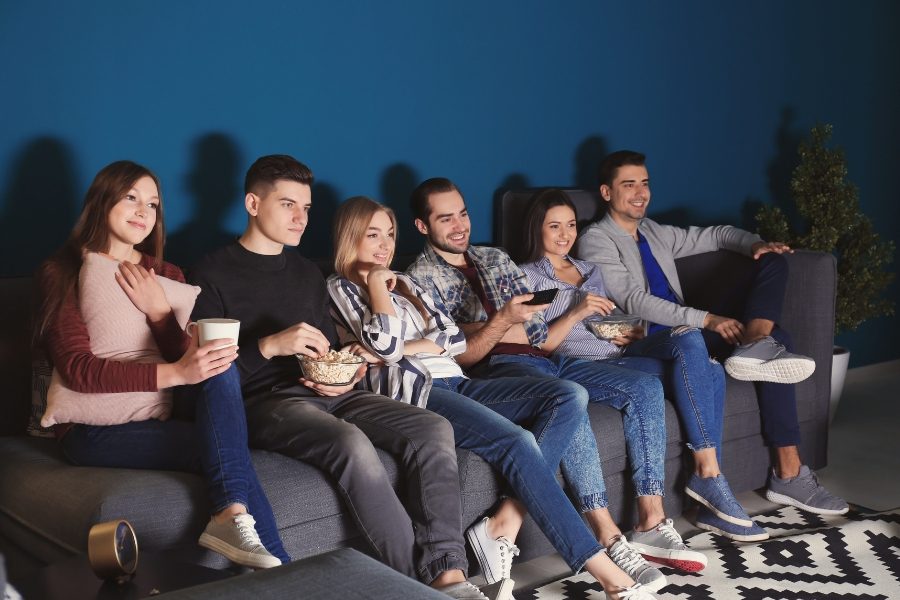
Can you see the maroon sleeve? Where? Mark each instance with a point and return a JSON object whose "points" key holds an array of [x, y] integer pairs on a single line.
{"points": [[68, 345]]}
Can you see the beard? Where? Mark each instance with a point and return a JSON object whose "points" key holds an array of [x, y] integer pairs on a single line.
{"points": [[446, 247]]}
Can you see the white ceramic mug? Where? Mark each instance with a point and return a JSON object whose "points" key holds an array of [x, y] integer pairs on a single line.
{"points": [[215, 329]]}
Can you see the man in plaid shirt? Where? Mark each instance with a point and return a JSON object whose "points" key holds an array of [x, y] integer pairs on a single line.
{"points": [[485, 293]]}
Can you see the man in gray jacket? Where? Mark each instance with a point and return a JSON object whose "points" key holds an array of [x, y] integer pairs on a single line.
{"points": [[637, 258]]}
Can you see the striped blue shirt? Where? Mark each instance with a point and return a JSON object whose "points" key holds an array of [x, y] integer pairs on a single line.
{"points": [[580, 342], [403, 377]]}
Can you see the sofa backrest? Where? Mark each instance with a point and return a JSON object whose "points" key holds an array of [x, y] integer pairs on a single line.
{"points": [[15, 354], [510, 207]]}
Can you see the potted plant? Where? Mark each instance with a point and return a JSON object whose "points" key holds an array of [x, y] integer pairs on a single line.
{"points": [[828, 219]]}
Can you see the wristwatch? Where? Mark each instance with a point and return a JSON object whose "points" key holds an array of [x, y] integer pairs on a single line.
{"points": [[113, 550]]}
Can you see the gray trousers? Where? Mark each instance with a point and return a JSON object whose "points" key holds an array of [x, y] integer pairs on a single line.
{"points": [[419, 535]]}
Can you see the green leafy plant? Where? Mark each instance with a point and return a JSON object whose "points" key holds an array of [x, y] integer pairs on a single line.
{"points": [[829, 220]]}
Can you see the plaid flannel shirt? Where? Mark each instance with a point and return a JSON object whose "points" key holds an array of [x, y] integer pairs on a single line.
{"points": [[453, 295]]}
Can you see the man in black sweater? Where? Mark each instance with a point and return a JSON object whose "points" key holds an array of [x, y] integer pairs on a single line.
{"points": [[281, 300]]}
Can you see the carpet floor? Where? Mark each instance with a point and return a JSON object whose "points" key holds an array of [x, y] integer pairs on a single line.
{"points": [[807, 557]]}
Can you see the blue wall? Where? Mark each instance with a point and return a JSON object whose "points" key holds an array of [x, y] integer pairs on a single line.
{"points": [[377, 96]]}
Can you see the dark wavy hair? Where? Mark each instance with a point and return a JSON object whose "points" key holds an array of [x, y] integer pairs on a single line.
{"points": [[540, 203], [58, 275]]}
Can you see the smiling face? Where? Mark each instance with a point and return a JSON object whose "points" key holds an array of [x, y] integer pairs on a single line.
{"points": [[448, 224], [278, 217], [558, 231], [133, 217], [376, 247], [628, 196]]}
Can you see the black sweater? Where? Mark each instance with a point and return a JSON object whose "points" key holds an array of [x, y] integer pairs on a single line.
{"points": [[267, 294]]}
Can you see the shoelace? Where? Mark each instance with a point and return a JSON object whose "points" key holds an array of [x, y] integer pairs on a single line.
{"points": [[667, 529], [635, 592], [506, 547], [629, 557], [247, 531]]}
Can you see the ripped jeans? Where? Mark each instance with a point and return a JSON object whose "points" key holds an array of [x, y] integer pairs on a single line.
{"points": [[692, 380]]}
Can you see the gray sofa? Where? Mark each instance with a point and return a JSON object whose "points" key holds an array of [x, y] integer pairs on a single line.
{"points": [[47, 506]]}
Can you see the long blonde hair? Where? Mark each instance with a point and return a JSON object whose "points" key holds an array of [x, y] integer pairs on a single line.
{"points": [[351, 222]]}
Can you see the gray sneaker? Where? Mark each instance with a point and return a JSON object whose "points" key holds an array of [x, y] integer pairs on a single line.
{"points": [[806, 493], [767, 360], [462, 591], [664, 545], [238, 541], [499, 590], [630, 560]]}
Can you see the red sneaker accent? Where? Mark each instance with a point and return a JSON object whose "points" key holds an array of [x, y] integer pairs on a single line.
{"points": [[689, 566]]}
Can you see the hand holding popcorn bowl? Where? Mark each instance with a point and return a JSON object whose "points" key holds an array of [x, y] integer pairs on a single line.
{"points": [[609, 327], [335, 368]]}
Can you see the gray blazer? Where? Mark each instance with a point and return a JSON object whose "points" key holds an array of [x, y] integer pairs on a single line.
{"points": [[617, 255]]}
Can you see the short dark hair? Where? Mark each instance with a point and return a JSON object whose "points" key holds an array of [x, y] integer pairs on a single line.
{"points": [[540, 203], [262, 175], [609, 166], [418, 201]]}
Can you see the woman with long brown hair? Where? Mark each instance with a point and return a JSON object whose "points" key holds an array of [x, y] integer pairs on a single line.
{"points": [[517, 425], [114, 411]]}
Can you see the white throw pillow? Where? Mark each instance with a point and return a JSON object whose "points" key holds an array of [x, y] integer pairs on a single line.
{"points": [[118, 331]]}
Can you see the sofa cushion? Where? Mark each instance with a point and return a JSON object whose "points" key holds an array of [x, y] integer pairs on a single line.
{"points": [[118, 331]]}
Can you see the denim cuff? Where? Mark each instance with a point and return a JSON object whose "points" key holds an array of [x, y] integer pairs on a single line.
{"points": [[428, 573], [703, 446], [582, 560], [650, 487], [593, 501], [219, 507]]}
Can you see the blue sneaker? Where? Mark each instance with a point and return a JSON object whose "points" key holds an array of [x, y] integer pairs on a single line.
{"points": [[710, 522], [715, 494]]}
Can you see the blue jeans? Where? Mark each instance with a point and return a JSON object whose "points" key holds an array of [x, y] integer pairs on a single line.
{"points": [[215, 445], [638, 396], [692, 381], [522, 427]]}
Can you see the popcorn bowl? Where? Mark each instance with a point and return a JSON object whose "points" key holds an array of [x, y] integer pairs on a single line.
{"points": [[611, 326], [335, 368]]}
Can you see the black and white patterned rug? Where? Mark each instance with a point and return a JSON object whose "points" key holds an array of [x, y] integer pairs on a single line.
{"points": [[807, 557]]}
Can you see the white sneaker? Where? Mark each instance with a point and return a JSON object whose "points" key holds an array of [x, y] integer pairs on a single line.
{"points": [[635, 592], [238, 541], [494, 555]]}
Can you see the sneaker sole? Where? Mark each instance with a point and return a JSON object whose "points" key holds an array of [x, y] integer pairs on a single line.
{"points": [[480, 555], [716, 511], [733, 536], [255, 561], [788, 501], [672, 559], [688, 566], [779, 370]]}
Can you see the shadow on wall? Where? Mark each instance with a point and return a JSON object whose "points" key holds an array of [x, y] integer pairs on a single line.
{"points": [[316, 240], [587, 162], [215, 184], [780, 170], [397, 184], [39, 206]]}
